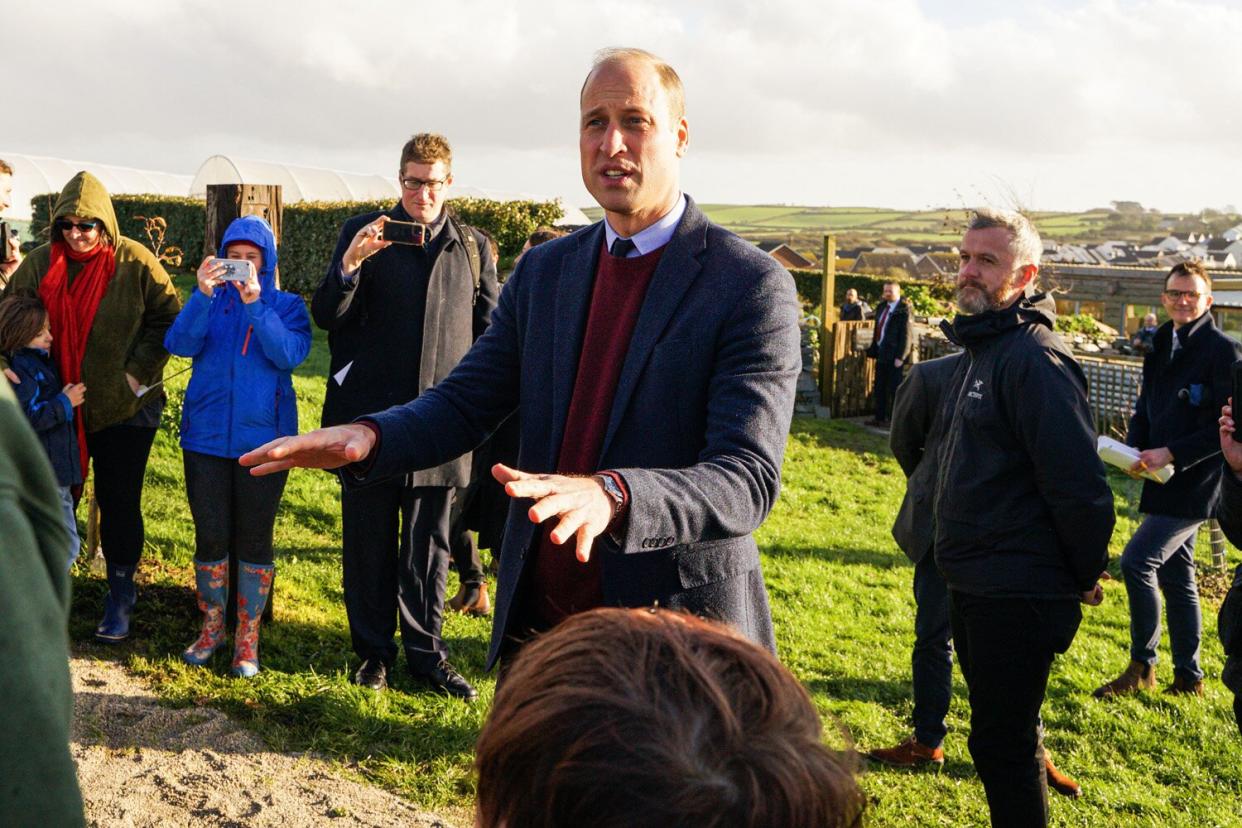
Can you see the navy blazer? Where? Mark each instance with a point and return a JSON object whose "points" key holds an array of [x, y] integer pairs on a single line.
{"points": [[697, 428]]}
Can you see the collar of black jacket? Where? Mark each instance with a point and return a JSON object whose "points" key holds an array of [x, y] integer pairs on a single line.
{"points": [[968, 330], [1187, 335]]}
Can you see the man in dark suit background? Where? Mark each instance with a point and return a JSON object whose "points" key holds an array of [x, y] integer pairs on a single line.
{"points": [[653, 358], [891, 347]]}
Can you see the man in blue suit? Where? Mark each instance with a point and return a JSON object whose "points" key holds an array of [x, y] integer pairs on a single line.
{"points": [[653, 357]]}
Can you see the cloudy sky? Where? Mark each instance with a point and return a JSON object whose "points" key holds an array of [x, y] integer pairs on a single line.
{"points": [[1062, 104]]}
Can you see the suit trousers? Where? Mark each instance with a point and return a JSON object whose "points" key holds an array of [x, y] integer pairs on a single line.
{"points": [[932, 658], [395, 565], [1005, 646], [887, 378]]}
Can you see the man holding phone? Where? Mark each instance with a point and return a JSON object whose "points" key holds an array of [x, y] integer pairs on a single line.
{"points": [[1186, 380], [405, 296], [10, 253]]}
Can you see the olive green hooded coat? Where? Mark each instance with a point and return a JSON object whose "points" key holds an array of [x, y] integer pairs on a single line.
{"points": [[38, 781], [137, 308]]}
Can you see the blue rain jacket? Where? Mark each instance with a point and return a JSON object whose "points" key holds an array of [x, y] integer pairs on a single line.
{"points": [[241, 388]]}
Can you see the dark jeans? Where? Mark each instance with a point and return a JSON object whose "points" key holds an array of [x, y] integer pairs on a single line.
{"points": [[395, 563], [1005, 647], [1161, 558], [231, 508], [887, 378], [932, 658], [462, 546], [119, 456]]}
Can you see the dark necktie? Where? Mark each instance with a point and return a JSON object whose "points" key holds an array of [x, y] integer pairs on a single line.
{"points": [[622, 247]]}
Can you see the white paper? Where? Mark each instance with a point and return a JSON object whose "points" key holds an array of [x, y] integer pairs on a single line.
{"points": [[340, 375], [1118, 454]]}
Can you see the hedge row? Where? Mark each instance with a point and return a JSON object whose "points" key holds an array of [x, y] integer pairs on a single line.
{"points": [[929, 298], [310, 228]]}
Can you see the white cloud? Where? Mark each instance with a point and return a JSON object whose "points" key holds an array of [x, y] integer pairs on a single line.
{"points": [[824, 101]]}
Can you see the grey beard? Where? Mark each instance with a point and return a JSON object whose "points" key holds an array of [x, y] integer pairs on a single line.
{"points": [[972, 300]]}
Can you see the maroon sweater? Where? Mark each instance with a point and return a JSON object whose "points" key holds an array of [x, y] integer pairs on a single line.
{"points": [[562, 585]]}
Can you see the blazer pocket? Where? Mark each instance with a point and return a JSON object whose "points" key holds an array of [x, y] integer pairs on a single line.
{"points": [[711, 561]]}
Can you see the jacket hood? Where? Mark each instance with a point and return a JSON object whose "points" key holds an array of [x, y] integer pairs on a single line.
{"points": [[254, 230], [969, 329], [85, 195]]}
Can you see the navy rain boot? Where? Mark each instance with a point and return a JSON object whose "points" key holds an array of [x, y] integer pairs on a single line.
{"points": [[122, 595]]}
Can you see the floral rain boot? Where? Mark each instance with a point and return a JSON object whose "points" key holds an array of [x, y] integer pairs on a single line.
{"points": [[211, 581], [254, 584]]}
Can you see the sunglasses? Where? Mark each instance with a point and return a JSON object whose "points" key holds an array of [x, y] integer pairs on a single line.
{"points": [[84, 226]]}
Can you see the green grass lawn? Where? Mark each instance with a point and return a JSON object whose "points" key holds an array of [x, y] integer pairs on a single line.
{"points": [[844, 621]]}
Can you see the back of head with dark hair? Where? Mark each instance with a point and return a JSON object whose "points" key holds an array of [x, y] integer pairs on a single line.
{"points": [[634, 718], [543, 234], [21, 320]]}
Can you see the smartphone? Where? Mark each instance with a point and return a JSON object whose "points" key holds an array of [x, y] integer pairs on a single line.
{"points": [[235, 270], [1237, 388], [4, 240], [405, 232]]}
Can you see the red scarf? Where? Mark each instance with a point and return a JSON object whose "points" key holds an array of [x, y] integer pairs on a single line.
{"points": [[71, 312]]}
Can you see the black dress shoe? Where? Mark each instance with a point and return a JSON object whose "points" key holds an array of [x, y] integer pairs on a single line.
{"points": [[445, 679], [372, 674]]}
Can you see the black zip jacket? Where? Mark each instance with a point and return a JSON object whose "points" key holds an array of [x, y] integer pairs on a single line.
{"points": [[1178, 408], [1022, 504]]}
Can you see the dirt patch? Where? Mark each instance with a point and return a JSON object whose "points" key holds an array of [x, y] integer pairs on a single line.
{"points": [[141, 764]]}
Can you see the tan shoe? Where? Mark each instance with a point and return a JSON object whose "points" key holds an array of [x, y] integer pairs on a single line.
{"points": [[471, 599], [909, 754], [1137, 676], [1059, 782], [1183, 687]]}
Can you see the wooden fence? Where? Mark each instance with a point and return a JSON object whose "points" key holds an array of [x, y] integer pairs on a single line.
{"points": [[847, 373]]}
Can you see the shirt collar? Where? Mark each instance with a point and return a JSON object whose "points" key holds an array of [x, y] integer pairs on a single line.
{"points": [[650, 238]]}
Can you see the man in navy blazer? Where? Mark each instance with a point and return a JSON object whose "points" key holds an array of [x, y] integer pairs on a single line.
{"points": [[653, 357]]}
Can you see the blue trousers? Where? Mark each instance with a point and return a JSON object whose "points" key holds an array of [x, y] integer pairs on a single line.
{"points": [[1162, 555], [932, 658]]}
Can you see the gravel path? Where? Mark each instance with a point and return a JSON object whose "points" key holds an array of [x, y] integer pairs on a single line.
{"points": [[141, 764]]}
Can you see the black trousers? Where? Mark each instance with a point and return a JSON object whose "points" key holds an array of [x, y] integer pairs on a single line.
{"points": [[119, 457], [887, 378], [395, 565], [464, 550], [231, 508], [1005, 647]]}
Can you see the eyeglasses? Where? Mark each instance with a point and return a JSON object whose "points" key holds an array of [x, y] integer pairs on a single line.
{"points": [[1175, 295], [84, 226], [434, 185]]}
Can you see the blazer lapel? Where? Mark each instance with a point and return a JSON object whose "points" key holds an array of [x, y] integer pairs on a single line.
{"points": [[573, 301], [678, 268]]}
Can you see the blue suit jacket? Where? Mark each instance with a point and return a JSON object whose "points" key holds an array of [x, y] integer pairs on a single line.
{"points": [[697, 427]]}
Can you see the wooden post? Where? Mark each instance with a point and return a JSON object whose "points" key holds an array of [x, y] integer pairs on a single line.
{"points": [[827, 317], [226, 202]]}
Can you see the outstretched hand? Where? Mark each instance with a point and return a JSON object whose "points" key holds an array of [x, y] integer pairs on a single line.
{"points": [[581, 504], [323, 448]]}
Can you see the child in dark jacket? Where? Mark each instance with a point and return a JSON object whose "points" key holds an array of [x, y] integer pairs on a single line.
{"points": [[25, 339]]}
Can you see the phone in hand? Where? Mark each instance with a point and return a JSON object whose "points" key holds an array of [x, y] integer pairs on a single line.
{"points": [[404, 232], [235, 270], [1237, 388]]}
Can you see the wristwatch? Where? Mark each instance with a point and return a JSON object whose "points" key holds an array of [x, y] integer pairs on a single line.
{"points": [[613, 491]]}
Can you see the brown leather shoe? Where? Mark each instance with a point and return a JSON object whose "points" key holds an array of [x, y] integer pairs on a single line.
{"points": [[1137, 676], [1059, 782], [1184, 687], [909, 754], [471, 599]]}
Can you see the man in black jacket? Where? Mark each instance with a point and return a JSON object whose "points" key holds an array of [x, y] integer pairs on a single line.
{"points": [[400, 316], [1229, 621], [890, 348], [1186, 380], [1023, 512]]}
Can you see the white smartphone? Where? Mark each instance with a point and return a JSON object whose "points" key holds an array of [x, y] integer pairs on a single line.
{"points": [[235, 270]]}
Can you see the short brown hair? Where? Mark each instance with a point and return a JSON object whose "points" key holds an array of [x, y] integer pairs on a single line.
{"points": [[427, 148], [641, 717], [1192, 268], [544, 234], [5, 169], [669, 79], [21, 319]]}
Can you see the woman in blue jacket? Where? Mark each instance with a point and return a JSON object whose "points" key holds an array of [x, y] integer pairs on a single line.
{"points": [[246, 338]]}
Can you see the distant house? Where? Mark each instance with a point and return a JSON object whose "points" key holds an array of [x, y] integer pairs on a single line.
{"points": [[1224, 260], [1233, 233], [786, 255], [927, 267], [881, 263]]}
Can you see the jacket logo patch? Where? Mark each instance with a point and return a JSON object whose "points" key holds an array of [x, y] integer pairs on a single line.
{"points": [[976, 386]]}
